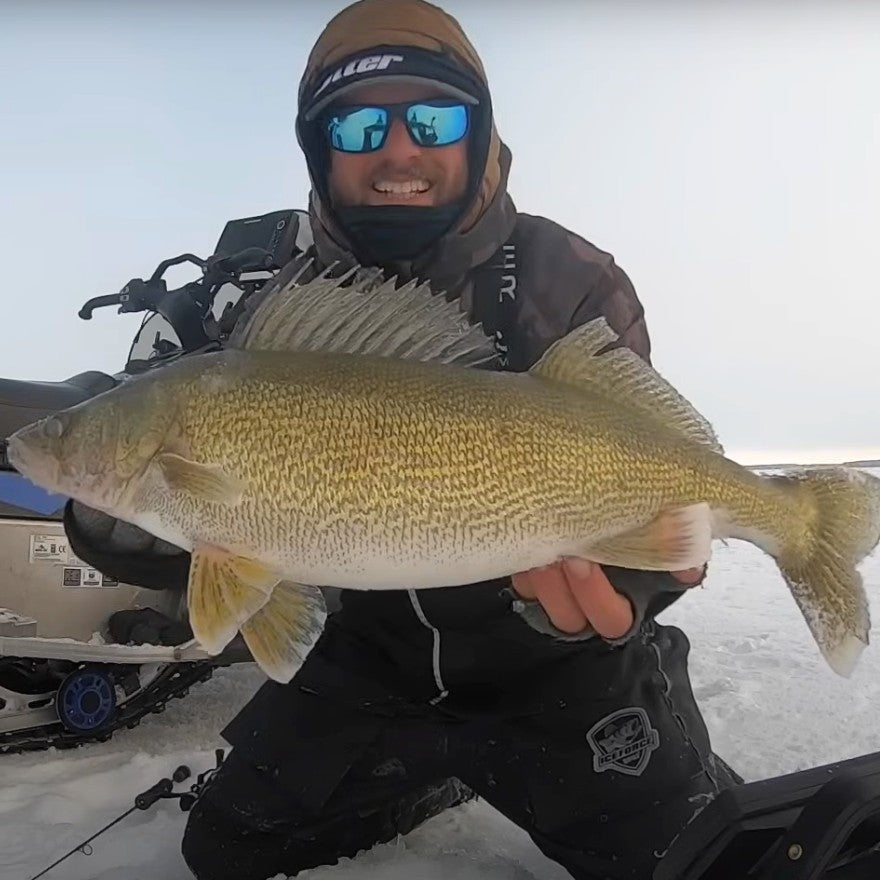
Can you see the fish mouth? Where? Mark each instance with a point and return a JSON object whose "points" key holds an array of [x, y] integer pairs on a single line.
{"points": [[17, 453], [30, 460]]}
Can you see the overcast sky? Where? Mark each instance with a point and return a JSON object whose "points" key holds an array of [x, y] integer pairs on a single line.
{"points": [[727, 154]]}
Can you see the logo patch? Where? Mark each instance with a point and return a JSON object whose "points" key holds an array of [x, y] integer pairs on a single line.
{"points": [[359, 65], [623, 741]]}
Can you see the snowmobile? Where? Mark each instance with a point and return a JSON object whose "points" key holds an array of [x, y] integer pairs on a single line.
{"points": [[817, 824], [81, 654]]}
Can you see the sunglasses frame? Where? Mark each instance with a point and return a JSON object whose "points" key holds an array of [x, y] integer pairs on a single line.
{"points": [[394, 111]]}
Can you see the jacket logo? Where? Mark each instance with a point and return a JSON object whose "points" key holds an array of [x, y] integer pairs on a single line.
{"points": [[508, 281], [623, 741], [506, 291], [360, 65]]}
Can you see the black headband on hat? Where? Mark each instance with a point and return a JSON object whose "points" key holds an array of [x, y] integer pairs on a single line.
{"points": [[389, 64]]}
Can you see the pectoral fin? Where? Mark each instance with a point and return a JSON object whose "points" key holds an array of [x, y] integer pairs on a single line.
{"points": [[285, 629], [205, 481], [224, 591], [673, 541]]}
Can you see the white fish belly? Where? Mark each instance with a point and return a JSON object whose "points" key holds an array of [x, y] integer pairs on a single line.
{"points": [[363, 568], [163, 528], [340, 555]]}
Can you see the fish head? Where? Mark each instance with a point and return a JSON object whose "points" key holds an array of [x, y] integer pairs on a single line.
{"points": [[93, 452]]}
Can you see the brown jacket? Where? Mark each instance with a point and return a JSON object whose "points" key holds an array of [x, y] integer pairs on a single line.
{"points": [[554, 279]]}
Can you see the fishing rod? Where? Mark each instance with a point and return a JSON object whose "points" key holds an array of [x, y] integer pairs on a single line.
{"points": [[163, 789]]}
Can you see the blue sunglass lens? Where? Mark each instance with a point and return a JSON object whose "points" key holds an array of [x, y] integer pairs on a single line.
{"points": [[364, 129], [431, 125], [358, 131]]}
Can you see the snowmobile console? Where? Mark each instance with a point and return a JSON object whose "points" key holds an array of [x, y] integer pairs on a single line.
{"points": [[816, 824]]}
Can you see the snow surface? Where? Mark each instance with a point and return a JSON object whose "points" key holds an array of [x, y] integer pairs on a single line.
{"points": [[771, 703]]}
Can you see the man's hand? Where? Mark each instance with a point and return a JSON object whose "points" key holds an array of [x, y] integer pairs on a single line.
{"points": [[577, 595]]}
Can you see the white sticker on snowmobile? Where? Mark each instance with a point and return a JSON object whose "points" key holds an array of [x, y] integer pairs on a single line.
{"points": [[83, 576], [71, 577], [49, 548]]}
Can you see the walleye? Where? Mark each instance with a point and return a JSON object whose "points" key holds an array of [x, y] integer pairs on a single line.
{"points": [[348, 441]]}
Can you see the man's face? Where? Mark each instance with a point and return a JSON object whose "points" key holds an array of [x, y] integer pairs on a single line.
{"points": [[402, 172]]}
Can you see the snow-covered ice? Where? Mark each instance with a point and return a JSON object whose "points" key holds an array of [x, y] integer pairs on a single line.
{"points": [[771, 703]]}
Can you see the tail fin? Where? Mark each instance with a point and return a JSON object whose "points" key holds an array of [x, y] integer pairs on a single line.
{"points": [[821, 571]]}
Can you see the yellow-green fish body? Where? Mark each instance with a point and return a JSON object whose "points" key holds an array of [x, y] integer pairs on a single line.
{"points": [[343, 466], [382, 474]]}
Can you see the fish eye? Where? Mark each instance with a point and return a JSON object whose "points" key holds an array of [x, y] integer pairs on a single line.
{"points": [[54, 427]]}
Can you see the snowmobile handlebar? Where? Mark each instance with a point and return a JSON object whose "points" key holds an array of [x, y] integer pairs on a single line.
{"points": [[139, 295], [98, 302], [250, 246], [185, 308]]}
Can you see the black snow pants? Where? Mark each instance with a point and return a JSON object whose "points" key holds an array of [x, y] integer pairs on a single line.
{"points": [[599, 752]]}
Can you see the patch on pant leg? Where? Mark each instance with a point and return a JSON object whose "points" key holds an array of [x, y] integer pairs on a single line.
{"points": [[623, 741]]}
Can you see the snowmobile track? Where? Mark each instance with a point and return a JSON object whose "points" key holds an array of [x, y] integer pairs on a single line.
{"points": [[173, 682]]}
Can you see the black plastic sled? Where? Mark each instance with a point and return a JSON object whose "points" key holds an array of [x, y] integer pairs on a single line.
{"points": [[816, 824]]}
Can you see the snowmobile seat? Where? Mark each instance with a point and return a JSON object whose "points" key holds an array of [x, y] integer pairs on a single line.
{"points": [[816, 824], [23, 402]]}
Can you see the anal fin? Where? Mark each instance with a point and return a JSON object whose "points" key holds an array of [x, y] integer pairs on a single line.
{"points": [[674, 540], [284, 630], [224, 591]]}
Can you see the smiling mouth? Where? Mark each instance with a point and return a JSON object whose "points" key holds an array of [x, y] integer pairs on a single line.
{"points": [[402, 190]]}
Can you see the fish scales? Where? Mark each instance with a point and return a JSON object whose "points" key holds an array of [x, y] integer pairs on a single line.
{"points": [[406, 464]]}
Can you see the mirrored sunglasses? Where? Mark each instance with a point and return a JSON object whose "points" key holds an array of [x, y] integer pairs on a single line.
{"points": [[364, 128]]}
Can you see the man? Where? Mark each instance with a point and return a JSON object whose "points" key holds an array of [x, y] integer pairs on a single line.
{"points": [[554, 695]]}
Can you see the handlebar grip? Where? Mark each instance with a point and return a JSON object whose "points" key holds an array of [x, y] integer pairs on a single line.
{"points": [[98, 302], [147, 798]]}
